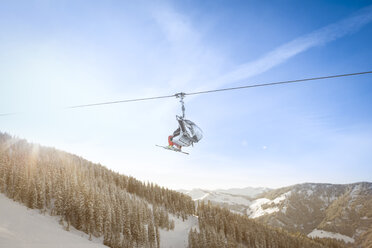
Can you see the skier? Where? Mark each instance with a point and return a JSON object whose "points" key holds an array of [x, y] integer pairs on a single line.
{"points": [[170, 139]]}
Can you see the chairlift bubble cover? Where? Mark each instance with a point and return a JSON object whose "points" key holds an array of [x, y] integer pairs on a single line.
{"points": [[193, 131]]}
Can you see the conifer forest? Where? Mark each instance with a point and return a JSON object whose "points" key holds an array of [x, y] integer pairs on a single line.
{"points": [[122, 210]]}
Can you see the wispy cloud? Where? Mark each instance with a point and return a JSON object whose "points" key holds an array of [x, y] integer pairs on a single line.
{"points": [[192, 59], [281, 54], [197, 62], [176, 27]]}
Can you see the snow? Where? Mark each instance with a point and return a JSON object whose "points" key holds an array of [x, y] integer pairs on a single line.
{"points": [[236, 212], [24, 228], [358, 232], [202, 198], [240, 198], [230, 199], [281, 197], [255, 209], [195, 194], [284, 209], [178, 238], [325, 234], [218, 197], [327, 199], [249, 191], [355, 192], [309, 192]]}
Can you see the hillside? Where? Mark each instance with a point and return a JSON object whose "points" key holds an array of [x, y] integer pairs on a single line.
{"points": [[336, 209], [22, 227], [122, 211], [342, 212]]}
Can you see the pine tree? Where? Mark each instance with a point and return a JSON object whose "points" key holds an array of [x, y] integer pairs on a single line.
{"points": [[98, 215], [33, 201], [151, 234], [157, 235]]}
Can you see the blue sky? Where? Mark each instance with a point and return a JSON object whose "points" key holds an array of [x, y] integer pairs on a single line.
{"points": [[57, 54]]}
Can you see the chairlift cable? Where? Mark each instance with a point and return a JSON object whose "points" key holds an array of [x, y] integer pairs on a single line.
{"points": [[182, 94], [280, 82], [120, 101]]}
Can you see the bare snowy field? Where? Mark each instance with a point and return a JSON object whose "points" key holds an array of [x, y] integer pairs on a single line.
{"points": [[24, 228]]}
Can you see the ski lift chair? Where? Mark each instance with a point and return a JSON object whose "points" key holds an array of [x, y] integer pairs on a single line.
{"points": [[190, 133]]}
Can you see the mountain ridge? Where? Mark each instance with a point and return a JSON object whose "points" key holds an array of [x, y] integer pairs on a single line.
{"points": [[314, 209]]}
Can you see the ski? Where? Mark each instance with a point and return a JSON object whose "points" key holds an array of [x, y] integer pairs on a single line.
{"points": [[173, 149]]}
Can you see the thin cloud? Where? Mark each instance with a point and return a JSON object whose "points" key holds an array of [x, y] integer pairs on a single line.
{"points": [[191, 59], [176, 27], [281, 54]]}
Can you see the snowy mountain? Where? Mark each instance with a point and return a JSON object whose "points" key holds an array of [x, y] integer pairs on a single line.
{"points": [[235, 199], [249, 192], [321, 210], [60, 196], [342, 212]]}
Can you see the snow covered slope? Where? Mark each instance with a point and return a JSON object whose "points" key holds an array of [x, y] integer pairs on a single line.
{"points": [[263, 206], [178, 238], [24, 228], [27, 228]]}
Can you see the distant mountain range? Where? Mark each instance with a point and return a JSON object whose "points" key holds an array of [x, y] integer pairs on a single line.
{"points": [[249, 192], [341, 212]]}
